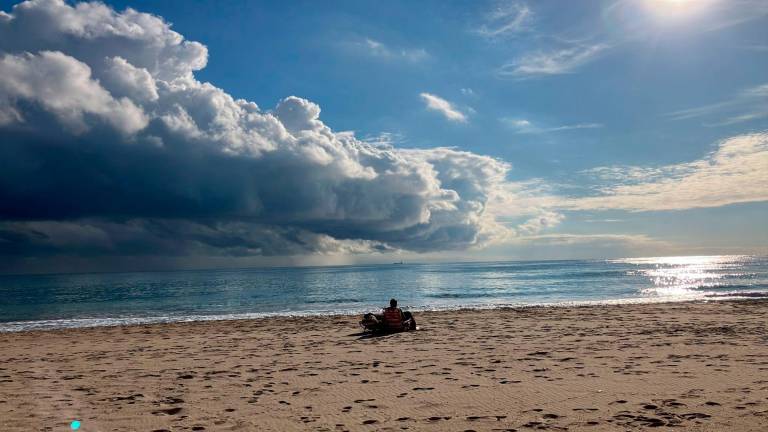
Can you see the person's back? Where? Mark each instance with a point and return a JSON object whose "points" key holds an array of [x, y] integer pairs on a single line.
{"points": [[393, 316]]}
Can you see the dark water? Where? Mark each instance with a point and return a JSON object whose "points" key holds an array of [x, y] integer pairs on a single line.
{"points": [[49, 301]]}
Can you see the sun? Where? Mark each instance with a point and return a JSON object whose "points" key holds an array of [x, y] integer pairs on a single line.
{"points": [[675, 10]]}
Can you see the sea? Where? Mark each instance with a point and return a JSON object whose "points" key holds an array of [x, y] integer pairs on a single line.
{"points": [[32, 302]]}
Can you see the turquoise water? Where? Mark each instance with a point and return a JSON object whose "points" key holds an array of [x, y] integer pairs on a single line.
{"points": [[77, 300]]}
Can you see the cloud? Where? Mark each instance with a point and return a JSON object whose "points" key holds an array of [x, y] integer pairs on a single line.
{"points": [[735, 12], [64, 87], [385, 139], [112, 147], [436, 103], [575, 126], [594, 240], [581, 246], [506, 19], [517, 123], [539, 223], [747, 105], [523, 126], [168, 238], [382, 51], [92, 31], [737, 172], [741, 118], [555, 62]]}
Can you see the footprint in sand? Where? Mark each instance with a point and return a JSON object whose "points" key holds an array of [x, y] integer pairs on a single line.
{"points": [[169, 411]]}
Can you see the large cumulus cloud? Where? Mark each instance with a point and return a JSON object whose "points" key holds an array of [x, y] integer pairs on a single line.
{"points": [[110, 145]]}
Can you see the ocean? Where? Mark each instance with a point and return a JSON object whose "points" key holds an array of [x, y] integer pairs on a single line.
{"points": [[96, 299]]}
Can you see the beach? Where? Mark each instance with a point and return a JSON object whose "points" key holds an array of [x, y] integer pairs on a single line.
{"points": [[701, 366]]}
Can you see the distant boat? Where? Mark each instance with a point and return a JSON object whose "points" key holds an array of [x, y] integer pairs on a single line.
{"points": [[398, 263]]}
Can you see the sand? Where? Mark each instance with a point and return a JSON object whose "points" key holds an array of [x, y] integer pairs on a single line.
{"points": [[699, 366]]}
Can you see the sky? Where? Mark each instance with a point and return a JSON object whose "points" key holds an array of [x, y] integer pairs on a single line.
{"points": [[148, 135]]}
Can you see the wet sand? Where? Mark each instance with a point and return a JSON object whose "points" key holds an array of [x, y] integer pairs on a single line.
{"points": [[700, 366]]}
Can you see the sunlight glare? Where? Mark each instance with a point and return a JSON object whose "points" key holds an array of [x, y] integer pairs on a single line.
{"points": [[676, 10]]}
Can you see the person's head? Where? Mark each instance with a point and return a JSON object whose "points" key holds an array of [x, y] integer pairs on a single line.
{"points": [[392, 303]]}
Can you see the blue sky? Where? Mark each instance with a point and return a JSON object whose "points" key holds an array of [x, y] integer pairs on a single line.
{"points": [[583, 100]]}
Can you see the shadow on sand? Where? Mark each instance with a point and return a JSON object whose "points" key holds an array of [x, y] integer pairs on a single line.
{"points": [[376, 335]]}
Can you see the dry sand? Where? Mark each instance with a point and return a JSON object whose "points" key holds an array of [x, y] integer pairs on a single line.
{"points": [[700, 366]]}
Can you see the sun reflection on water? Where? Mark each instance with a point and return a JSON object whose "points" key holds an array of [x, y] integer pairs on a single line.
{"points": [[689, 276]]}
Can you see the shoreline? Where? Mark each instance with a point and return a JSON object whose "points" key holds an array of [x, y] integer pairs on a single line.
{"points": [[86, 323], [698, 365]]}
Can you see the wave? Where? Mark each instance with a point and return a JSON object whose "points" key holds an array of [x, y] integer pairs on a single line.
{"points": [[465, 295], [60, 324], [758, 294], [721, 287], [334, 300]]}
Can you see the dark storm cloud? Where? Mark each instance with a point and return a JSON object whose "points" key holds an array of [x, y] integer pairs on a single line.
{"points": [[111, 146]]}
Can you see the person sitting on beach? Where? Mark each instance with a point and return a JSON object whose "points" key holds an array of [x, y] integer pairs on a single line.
{"points": [[396, 319]]}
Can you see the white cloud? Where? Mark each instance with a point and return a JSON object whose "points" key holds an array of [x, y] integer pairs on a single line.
{"points": [[735, 12], [555, 62], [575, 126], [741, 118], [517, 123], [91, 31], [523, 126], [737, 172], [386, 139], [569, 246], [747, 105], [543, 221], [380, 50], [757, 91], [506, 19], [593, 240], [436, 103], [126, 80], [63, 86]]}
